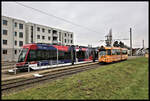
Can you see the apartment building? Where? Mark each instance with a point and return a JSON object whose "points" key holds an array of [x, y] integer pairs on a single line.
{"points": [[44, 34], [13, 38], [15, 33]]}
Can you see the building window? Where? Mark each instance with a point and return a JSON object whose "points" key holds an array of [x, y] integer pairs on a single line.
{"points": [[65, 40], [71, 35], [49, 31], [15, 51], [20, 43], [4, 51], [15, 24], [38, 28], [43, 30], [4, 32], [4, 42], [38, 36], [59, 36], [5, 22], [15, 43], [20, 26], [20, 34], [31, 34], [43, 37], [54, 32], [65, 34], [49, 38], [54, 38], [15, 33], [71, 41]]}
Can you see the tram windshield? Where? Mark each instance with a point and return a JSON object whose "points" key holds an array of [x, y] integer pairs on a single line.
{"points": [[22, 55], [101, 53]]}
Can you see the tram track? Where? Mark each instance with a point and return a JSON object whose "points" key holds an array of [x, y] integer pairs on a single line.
{"points": [[46, 76], [7, 67], [8, 64]]}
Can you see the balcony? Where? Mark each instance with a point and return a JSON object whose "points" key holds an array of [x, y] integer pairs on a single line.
{"points": [[55, 39], [55, 34], [55, 42]]}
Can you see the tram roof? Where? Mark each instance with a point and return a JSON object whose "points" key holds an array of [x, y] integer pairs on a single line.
{"points": [[113, 48]]}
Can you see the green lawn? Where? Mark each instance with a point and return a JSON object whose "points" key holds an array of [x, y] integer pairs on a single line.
{"points": [[124, 80]]}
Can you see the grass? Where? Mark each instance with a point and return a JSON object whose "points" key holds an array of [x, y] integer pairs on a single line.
{"points": [[124, 80]]}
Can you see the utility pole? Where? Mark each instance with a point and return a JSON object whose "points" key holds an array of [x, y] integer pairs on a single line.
{"points": [[131, 41], [143, 44]]}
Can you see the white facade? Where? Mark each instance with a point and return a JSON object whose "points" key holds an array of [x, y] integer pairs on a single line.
{"points": [[13, 38], [43, 34], [15, 33]]}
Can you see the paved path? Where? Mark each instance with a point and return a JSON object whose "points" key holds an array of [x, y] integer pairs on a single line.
{"points": [[132, 57]]}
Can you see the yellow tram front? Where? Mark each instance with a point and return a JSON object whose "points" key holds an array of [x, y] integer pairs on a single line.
{"points": [[104, 54]]}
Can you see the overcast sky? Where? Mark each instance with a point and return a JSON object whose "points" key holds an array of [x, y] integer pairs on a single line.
{"points": [[99, 17]]}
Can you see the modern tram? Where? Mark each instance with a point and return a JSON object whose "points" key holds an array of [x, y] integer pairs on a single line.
{"points": [[112, 54], [40, 56]]}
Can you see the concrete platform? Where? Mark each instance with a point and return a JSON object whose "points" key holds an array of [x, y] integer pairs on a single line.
{"points": [[30, 74]]}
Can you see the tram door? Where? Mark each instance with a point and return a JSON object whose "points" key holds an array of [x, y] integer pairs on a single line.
{"points": [[73, 57]]}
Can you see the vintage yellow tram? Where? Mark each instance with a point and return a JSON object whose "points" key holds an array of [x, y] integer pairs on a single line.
{"points": [[112, 54]]}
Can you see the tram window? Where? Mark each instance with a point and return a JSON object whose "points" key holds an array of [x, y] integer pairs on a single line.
{"points": [[118, 52], [39, 55], [113, 52], [84, 54], [67, 55], [124, 51], [102, 53], [43, 54], [87, 55], [32, 55], [50, 55], [81, 55], [108, 52], [60, 55], [54, 54], [78, 54], [22, 55], [46, 55]]}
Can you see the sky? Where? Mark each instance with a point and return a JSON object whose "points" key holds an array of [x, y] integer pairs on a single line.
{"points": [[95, 19]]}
